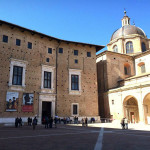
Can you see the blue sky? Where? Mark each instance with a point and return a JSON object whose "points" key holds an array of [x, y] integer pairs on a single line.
{"points": [[88, 21]]}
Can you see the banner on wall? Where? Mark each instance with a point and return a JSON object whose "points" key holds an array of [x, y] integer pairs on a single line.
{"points": [[12, 101], [27, 102]]}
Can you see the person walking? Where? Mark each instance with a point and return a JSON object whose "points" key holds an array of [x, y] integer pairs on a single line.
{"points": [[83, 122], [55, 120], [86, 121], [50, 122], [34, 123], [46, 122], [16, 122], [126, 123], [20, 122], [123, 124]]}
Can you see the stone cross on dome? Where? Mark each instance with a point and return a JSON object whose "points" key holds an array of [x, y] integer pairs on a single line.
{"points": [[125, 12]]}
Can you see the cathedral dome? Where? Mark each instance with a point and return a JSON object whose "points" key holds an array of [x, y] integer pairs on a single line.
{"points": [[127, 30]]}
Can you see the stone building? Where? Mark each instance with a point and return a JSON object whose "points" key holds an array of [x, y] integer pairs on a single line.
{"points": [[124, 75], [42, 75]]}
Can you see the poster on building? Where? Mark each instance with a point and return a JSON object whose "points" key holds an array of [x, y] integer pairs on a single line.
{"points": [[12, 101], [27, 102]]}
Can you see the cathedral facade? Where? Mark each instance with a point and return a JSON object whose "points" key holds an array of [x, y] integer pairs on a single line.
{"points": [[42, 75], [124, 75]]}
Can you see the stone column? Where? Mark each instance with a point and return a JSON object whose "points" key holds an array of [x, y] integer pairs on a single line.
{"points": [[53, 109], [141, 113], [40, 111]]}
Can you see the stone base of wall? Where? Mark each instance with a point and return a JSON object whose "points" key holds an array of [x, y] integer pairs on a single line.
{"points": [[11, 121]]}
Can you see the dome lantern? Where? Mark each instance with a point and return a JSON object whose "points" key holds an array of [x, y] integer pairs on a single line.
{"points": [[125, 19]]}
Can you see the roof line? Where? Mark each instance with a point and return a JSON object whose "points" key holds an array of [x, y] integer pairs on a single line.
{"points": [[98, 47]]}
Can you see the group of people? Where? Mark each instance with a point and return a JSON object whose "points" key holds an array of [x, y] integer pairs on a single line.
{"points": [[84, 121], [124, 123], [18, 122], [48, 121], [29, 121], [75, 120]]}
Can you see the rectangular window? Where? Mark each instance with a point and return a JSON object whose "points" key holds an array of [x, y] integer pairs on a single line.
{"points": [[17, 75], [60, 50], [76, 52], [47, 79], [50, 50], [75, 109], [143, 69], [18, 42], [5, 38], [74, 82], [125, 70], [47, 59], [113, 102], [88, 54], [29, 45], [76, 61]]}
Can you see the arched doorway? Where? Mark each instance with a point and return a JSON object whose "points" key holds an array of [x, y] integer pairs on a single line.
{"points": [[131, 111], [146, 105]]}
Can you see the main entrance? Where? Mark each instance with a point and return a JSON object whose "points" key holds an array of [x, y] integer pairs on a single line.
{"points": [[46, 109]]}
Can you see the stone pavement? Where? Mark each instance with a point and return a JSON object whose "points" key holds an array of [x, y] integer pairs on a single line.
{"points": [[98, 136]]}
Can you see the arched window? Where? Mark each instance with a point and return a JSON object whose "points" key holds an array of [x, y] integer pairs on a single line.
{"points": [[143, 47], [129, 47], [127, 69], [115, 48], [141, 68]]}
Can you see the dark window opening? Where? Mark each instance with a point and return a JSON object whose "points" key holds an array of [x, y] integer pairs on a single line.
{"points": [[18, 42], [60, 50], [5, 38], [50, 50], [17, 75], [76, 52], [47, 59], [76, 61], [74, 82], [125, 70], [88, 54], [75, 109], [143, 47], [47, 79], [29, 45]]}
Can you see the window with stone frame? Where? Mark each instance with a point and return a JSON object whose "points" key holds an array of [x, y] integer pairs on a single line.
{"points": [[75, 82], [47, 79], [129, 47], [115, 48], [127, 69], [17, 75], [75, 108], [142, 68]]}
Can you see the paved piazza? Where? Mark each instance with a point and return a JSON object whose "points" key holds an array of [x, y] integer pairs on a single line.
{"points": [[75, 137]]}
